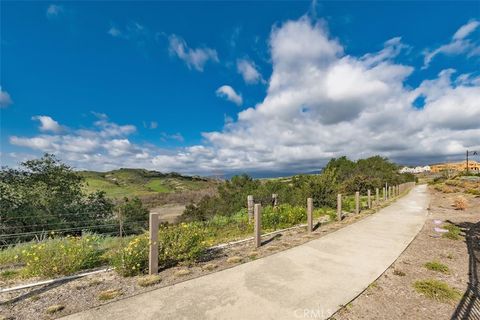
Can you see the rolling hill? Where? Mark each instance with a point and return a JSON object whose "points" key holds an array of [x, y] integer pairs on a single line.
{"points": [[140, 182]]}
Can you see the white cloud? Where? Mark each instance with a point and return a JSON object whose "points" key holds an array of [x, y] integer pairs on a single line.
{"points": [[465, 30], [176, 136], [229, 94], [249, 71], [194, 58], [54, 10], [321, 102], [5, 99], [48, 124], [458, 45]]}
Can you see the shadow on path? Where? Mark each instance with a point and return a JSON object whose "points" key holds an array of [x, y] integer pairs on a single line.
{"points": [[469, 306]]}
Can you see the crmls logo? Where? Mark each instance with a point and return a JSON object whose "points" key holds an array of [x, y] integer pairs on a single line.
{"points": [[312, 313]]}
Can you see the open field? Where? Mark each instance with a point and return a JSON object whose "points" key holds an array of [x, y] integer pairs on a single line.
{"points": [[139, 182]]}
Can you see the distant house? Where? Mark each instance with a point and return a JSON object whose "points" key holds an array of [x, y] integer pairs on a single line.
{"points": [[473, 166], [418, 169]]}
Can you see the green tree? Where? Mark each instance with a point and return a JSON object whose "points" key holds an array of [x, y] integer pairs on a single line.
{"points": [[133, 214], [45, 194]]}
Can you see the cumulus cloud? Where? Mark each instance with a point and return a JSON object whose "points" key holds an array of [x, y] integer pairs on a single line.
{"points": [[229, 94], [48, 124], [103, 146], [194, 58], [459, 44], [54, 10], [249, 71], [321, 102], [5, 99]]}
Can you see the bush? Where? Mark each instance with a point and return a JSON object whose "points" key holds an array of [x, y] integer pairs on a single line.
{"points": [[180, 243], [460, 203], [62, 256], [283, 216], [185, 242], [131, 259]]}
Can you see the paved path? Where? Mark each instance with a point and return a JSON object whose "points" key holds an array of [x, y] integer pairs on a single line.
{"points": [[309, 281]]}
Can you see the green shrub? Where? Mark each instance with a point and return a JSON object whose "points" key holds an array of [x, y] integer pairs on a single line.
{"points": [[436, 290], [8, 274], [179, 243], [283, 216], [437, 266], [62, 256], [132, 258], [453, 232], [475, 192], [184, 242]]}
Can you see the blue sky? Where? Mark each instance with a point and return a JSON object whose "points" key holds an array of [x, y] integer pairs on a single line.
{"points": [[206, 87]]}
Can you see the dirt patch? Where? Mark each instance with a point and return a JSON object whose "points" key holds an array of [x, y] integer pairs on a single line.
{"points": [[169, 213], [393, 295], [84, 293]]}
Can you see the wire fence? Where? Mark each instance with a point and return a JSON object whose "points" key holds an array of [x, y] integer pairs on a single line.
{"points": [[19, 229], [19, 233]]}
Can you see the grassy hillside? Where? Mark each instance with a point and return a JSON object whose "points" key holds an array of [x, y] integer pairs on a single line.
{"points": [[140, 182]]}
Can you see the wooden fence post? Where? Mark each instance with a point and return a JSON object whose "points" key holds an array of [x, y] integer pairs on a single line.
{"points": [[250, 207], [258, 224], [153, 244], [369, 199], [384, 193], [339, 207], [377, 196], [274, 199], [357, 202], [310, 214]]}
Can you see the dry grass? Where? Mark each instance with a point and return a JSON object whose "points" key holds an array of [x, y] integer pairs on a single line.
{"points": [[460, 203], [182, 273], [209, 266], [149, 280], [234, 259], [399, 273], [55, 308], [109, 294]]}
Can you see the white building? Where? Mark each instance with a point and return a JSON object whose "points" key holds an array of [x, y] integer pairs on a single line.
{"points": [[415, 170]]}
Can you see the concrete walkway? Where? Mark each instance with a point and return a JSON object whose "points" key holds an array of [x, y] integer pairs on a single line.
{"points": [[309, 281]]}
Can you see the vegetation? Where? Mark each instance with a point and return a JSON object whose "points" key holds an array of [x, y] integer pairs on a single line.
{"points": [[437, 266], [109, 294], [453, 232], [460, 203], [399, 273], [62, 256], [122, 183], [339, 176], [55, 308], [46, 193], [149, 280], [437, 290], [56, 191]]}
